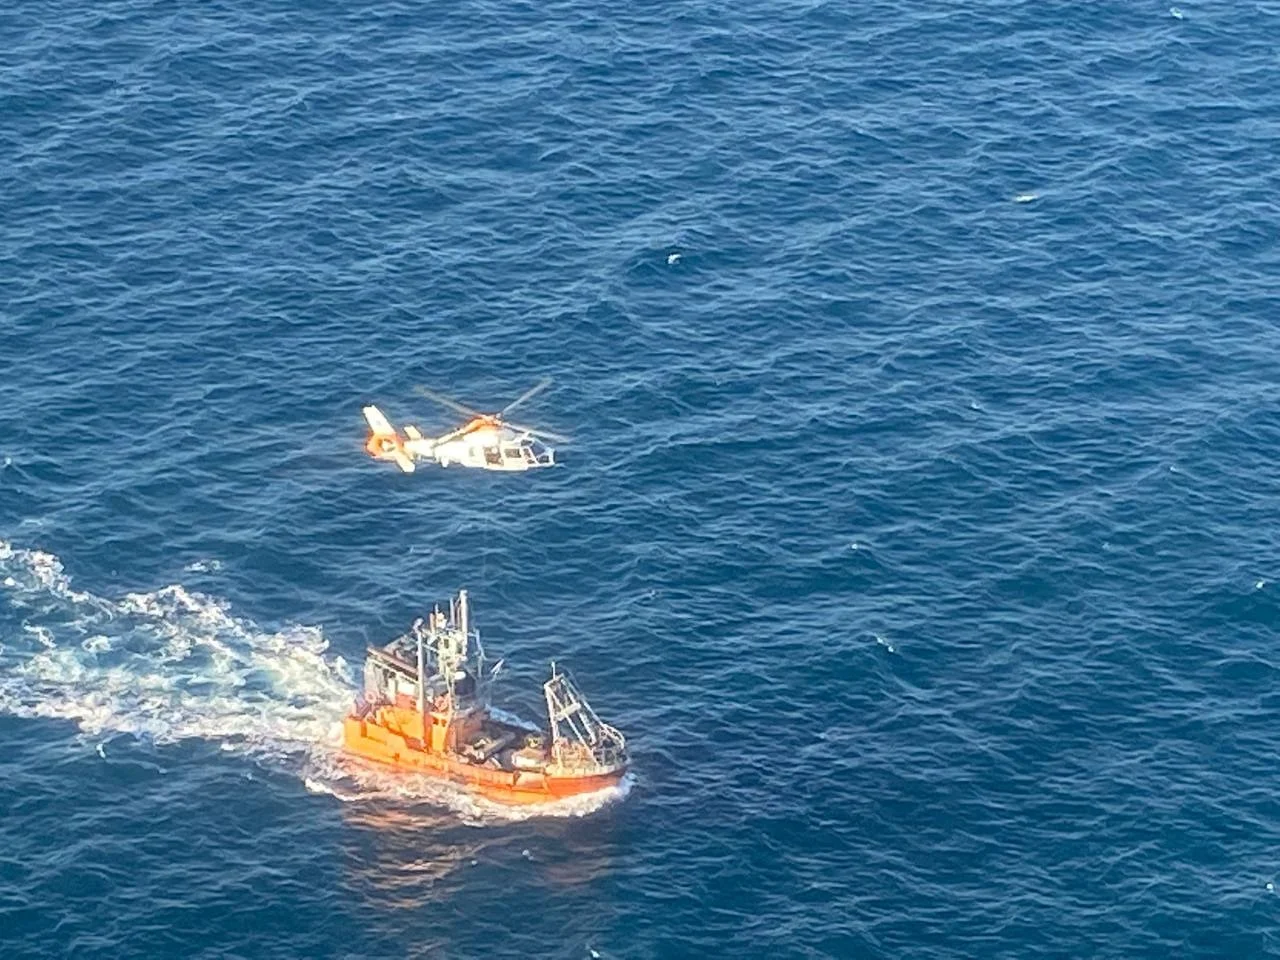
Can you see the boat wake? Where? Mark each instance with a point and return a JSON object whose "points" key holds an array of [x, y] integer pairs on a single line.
{"points": [[174, 664], [164, 666]]}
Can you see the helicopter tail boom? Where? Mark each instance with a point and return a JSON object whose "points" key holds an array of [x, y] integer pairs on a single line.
{"points": [[384, 442]]}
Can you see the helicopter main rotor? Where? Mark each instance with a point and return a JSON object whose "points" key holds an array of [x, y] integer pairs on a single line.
{"points": [[496, 418], [441, 399], [536, 432], [531, 392]]}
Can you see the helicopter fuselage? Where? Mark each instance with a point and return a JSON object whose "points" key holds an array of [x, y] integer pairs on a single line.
{"points": [[485, 443], [485, 448]]}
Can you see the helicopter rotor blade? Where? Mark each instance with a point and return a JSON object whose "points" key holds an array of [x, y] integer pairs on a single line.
{"points": [[445, 401], [537, 432], [531, 392]]}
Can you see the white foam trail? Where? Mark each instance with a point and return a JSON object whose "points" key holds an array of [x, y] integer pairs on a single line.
{"points": [[172, 664], [318, 786], [167, 665]]}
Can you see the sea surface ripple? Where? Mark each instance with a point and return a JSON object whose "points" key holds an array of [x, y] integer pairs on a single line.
{"points": [[923, 370]]}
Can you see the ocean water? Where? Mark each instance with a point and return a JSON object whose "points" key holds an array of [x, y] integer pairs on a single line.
{"points": [[919, 527]]}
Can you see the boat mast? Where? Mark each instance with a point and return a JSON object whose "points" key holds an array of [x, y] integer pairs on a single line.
{"points": [[551, 713], [422, 679], [463, 617]]}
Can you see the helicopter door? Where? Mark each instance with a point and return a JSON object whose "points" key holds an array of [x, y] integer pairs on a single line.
{"points": [[493, 456]]}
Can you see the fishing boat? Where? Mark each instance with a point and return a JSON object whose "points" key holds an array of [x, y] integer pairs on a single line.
{"points": [[425, 709]]}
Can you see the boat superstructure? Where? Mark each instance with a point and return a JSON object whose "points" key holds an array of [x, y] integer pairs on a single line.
{"points": [[426, 708]]}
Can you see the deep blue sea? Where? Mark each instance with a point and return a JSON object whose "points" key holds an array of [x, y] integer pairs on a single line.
{"points": [[922, 365]]}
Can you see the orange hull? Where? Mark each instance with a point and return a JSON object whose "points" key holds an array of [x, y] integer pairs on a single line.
{"points": [[374, 741]]}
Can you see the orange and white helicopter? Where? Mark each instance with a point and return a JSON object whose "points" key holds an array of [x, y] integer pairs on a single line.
{"points": [[486, 441]]}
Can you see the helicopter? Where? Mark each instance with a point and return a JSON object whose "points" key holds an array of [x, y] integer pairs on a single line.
{"points": [[486, 441]]}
